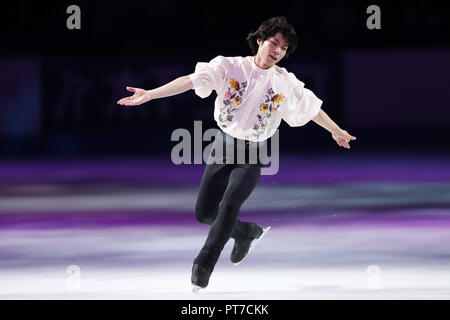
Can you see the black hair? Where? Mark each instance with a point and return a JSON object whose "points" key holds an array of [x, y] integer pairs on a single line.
{"points": [[271, 27]]}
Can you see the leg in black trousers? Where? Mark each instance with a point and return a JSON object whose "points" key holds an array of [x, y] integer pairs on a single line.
{"points": [[223, 190]]}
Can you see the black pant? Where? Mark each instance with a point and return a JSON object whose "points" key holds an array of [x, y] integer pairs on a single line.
{"points": [[223, 189]]}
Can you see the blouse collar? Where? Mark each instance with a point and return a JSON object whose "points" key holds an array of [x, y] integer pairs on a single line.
{"points": [[258, 69]]}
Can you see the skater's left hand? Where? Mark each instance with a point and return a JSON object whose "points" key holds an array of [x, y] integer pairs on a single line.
{"points": [[140, 96], [342, 138]]}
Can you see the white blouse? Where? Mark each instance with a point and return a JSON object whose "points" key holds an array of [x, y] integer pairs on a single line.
{"points": [[251, 102]]}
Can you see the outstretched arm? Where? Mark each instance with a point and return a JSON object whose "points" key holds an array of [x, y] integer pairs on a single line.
{"points": [[141, 96], [341, 136]]}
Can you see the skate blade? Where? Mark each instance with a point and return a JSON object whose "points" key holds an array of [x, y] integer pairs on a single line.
{"points": [[253, 244], [196, 289]]}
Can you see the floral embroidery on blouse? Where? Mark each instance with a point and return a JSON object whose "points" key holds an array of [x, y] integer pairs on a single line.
{"points": [[232, 100], [267, 109]]}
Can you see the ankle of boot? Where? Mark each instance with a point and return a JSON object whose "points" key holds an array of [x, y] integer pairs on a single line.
{"points": [[206, 259]]}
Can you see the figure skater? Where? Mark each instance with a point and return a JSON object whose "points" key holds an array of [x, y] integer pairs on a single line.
{"points": [[253, 96]]}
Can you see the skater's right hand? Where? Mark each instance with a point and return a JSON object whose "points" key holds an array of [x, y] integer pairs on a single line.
{"points": [[140, 96]]}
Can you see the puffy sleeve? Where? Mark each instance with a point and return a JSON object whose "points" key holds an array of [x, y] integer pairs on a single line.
{"points": [[209, 76], [302, 104]]}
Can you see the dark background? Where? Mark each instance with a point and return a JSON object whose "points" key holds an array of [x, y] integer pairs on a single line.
{"points": [[59, 87]]}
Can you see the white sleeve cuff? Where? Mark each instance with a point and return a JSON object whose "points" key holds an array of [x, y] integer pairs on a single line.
{"points": [[195, 79]]}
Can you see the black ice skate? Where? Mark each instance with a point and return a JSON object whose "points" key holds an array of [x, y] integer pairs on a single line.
{"points": [[242, 248], [200, 277]]}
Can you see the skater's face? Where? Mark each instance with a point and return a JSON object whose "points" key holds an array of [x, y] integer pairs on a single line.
{"points": [[271, 50]]}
